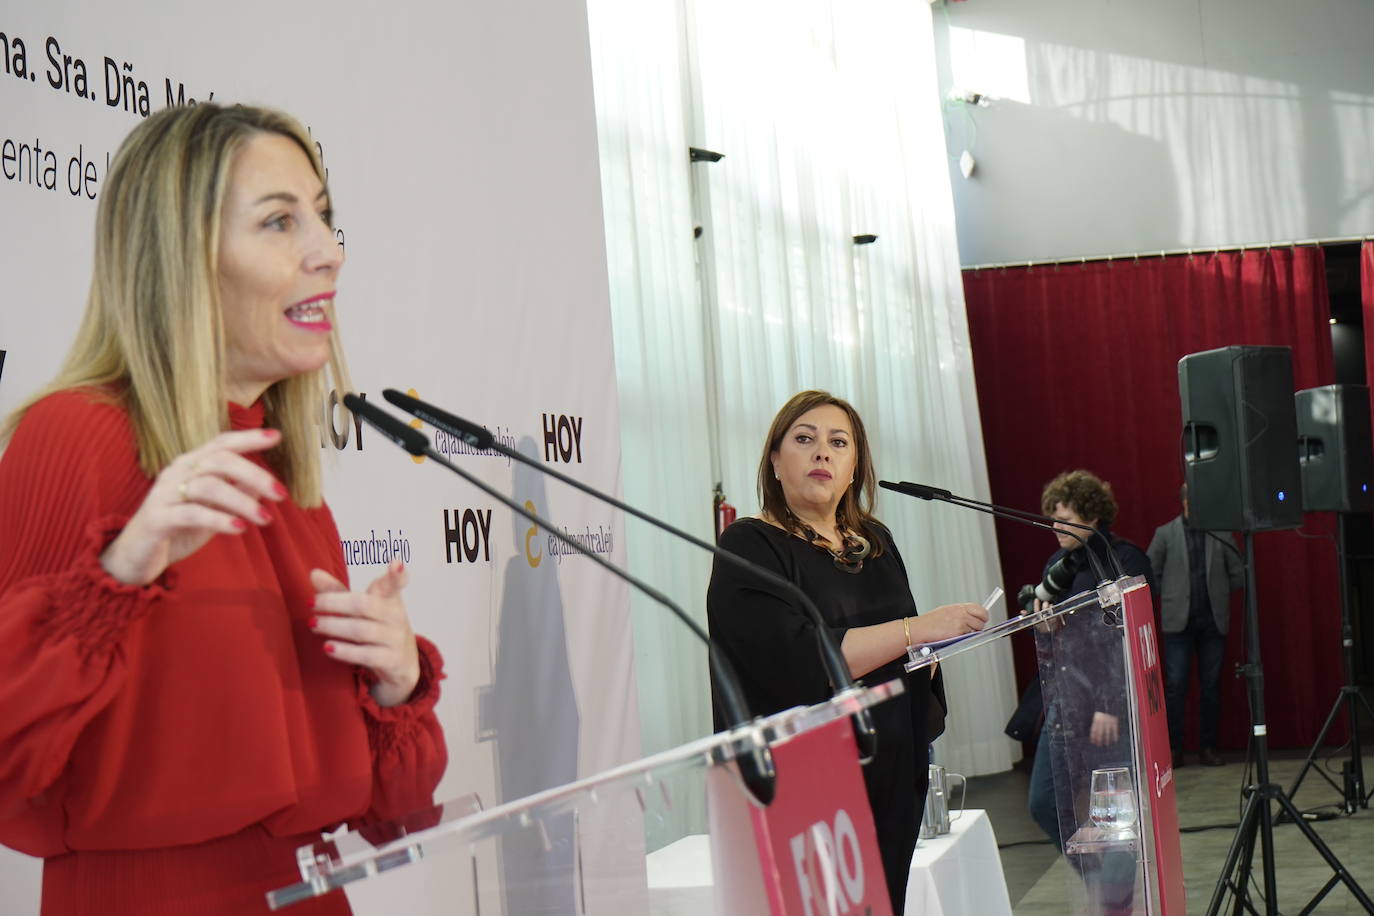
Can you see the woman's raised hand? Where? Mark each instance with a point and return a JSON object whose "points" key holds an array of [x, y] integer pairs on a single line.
{"points": [[370, 628], [209, 490]]}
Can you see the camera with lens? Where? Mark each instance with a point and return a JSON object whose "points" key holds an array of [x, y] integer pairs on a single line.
{"points": [[1058, 579]]}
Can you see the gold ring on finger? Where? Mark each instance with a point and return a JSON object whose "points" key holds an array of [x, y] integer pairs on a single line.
{"points": [[182, 488]]}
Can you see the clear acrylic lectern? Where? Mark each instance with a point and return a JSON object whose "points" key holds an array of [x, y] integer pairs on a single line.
{"points": [[579, 847], [1094, 740]]}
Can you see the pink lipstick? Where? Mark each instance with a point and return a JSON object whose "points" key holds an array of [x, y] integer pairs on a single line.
{"points": [[311, 314]]}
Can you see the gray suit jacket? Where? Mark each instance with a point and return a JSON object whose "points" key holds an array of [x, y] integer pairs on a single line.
{"points": [[1169, 556]]}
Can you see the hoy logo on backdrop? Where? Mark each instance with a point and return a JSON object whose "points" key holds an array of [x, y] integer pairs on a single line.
{"points": [[829, 866], [467, 535], [334, 422], [562, 438]]}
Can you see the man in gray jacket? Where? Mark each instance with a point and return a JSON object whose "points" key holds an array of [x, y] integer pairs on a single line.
{"points": [[1196, 573]]}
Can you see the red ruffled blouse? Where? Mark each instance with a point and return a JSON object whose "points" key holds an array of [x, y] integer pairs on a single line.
{"points": [[196, 719]]}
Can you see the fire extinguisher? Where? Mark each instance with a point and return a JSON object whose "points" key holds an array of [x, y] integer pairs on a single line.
{"points": [[725, 513]]}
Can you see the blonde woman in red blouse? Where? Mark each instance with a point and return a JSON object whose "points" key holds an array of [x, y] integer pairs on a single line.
{"points": [[190, 688]]}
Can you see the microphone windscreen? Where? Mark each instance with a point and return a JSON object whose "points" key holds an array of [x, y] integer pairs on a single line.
{"points": [[412, 440], [469, 432]]}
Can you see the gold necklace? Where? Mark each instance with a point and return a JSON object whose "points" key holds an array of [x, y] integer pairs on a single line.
{"points": [[854, 547]]}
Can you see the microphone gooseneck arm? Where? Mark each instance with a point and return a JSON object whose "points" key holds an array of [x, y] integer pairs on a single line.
{"points": [[831, 656], [1021, 513], [756, 768], [934, 493]]}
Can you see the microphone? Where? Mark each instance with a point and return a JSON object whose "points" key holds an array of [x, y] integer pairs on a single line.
{"points": [[921, 491], [1107, 546], [836, 668], [756, 768]]}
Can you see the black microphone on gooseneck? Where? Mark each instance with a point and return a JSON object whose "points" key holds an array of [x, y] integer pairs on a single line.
{"points": [[956, 500], [836, 668], [756, 768], [921, 491]]}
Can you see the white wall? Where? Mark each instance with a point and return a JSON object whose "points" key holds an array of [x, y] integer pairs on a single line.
{"points": [[460, 140], [1131, 127]]}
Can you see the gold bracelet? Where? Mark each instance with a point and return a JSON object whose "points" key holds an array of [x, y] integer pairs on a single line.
{"points": [[906, 628]]}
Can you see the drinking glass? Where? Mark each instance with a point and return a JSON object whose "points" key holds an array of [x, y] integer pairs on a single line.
{"points": [[1112, 802]]}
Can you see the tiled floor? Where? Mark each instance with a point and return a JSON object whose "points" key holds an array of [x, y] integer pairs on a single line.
{"points": [[1209, 806]]}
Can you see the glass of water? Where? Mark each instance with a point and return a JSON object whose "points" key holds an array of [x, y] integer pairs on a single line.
{"points": [[1112, 802]]}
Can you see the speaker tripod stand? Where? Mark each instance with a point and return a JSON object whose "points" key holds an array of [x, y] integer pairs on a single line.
{"points": [[1352, 785], [1258, 817]]}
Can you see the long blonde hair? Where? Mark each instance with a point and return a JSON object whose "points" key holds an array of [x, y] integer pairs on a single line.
{"points": [[152, 338]]}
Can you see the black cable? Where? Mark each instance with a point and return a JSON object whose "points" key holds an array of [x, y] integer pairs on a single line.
{"points": [[1335, 752], [1201, 827], [1228, 544], [1182, 459], [1332, 538], [1245, 777], [1260, 896]]}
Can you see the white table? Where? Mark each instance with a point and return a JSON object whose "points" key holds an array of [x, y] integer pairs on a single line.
{"points": [[680, 878], [959, 874]]}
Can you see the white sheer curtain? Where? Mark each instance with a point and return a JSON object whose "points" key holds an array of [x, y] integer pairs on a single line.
{"points": [[828, 115], [919, 371], [829, 121], [778, 225], [660, 365]]}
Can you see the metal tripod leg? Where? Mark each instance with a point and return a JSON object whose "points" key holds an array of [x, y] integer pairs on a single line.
{"points": [[1257, 817], [1352, 797], [1325, 851], [1358, 763], [1239, 859], [1310, 762], [1241, 851]]}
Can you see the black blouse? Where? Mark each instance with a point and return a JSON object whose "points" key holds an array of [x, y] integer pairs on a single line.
{"points": [[771, 643]]}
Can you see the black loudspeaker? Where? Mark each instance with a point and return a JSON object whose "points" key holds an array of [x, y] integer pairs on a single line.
{"points": [[1239, 430], [1334, 449]]}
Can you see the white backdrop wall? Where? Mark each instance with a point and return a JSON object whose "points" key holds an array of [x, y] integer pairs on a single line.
{"points": [[1131, 127], [461, 147]]}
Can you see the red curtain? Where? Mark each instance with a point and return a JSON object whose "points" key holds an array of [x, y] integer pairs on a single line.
{"points": [[1077, 367]]}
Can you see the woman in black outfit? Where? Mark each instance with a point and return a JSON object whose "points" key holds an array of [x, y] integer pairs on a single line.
{"points": [[816, 529]]}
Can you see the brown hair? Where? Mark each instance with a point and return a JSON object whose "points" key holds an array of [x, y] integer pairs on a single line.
{"points": [[152, 337], [855, 510], [1083, 492]]}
